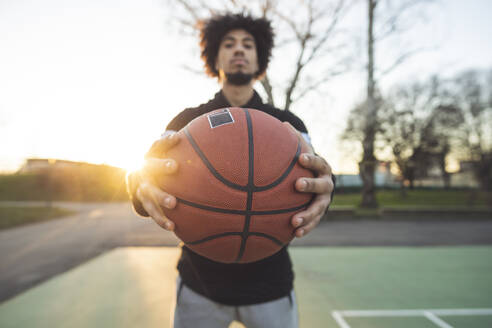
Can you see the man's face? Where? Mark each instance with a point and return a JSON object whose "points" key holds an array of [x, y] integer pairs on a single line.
{"points": [[237, 54]]}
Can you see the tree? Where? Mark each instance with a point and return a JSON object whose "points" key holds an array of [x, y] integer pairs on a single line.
{"points": [[379, 27], [368, 164], [419, 128], [307, 31], [414, 126], [471, 92], [440, 133], [354, 132]]}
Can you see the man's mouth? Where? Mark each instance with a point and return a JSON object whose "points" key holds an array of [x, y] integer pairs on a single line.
{"points": [[238, 61]]}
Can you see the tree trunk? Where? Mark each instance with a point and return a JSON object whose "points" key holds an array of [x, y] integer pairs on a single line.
{"points": [[403, 189], [368, 164], [367, 168], [446, 178], [267, 86]]}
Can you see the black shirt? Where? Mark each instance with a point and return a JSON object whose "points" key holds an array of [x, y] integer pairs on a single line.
{"points": [[237, 283], [219, 101]]}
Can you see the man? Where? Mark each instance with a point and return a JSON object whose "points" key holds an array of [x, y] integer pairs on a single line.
{"points": [[236, 49]]}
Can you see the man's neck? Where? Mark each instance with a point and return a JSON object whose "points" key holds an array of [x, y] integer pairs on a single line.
{"points": [[237, 95]]}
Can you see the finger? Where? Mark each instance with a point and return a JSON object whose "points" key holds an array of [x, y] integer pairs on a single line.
{"points": [[307, 220], [317, 207], [155, 212], [161, 146], [304, 230], [321, 185], [157, 167], [150, 192], [315, 163]]}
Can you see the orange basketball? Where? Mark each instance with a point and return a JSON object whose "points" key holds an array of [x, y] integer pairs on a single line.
{"points": [[235, 185]]}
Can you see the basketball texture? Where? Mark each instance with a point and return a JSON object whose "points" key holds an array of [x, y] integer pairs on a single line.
{"points": [[235, 185]]}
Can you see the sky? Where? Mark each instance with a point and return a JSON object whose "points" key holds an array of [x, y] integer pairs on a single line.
{"points": [[97, 81]]}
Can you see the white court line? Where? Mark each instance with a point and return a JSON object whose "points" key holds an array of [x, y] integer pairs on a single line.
{"points": [[339, 319], [462, 312], [432, 317], [411, 313]]}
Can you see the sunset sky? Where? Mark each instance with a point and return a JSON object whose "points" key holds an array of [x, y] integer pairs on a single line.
{"points": [[97, 81]]}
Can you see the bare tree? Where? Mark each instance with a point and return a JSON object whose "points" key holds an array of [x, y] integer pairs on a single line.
{"points": [[368, 164], [415, 126], [382, 24], [308, 38], [418, 129], [472, 93]]}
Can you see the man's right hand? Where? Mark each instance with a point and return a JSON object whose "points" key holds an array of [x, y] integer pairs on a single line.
{"points": [[156, 166]]}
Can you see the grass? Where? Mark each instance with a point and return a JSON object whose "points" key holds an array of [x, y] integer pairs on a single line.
{"points": [[15, 216], [428, 198]]}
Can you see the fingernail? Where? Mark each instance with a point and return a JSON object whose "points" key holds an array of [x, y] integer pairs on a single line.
{"points": [[299, 221], [301, 232], [306, 157], [169, 164], [167, 202], [167, 225], [303, 184]]}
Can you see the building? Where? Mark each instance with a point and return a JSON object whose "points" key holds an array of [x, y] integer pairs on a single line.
{"points": [[33, 165], [383, 178]]}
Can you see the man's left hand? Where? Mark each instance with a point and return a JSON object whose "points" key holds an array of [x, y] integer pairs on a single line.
{"points": [[322, 185]]}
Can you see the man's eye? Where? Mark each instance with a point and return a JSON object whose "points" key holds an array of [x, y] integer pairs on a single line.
{"points": [[228, 45], [248, 46]]}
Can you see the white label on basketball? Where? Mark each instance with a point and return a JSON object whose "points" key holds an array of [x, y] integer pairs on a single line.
{"points": [[221, 118]]}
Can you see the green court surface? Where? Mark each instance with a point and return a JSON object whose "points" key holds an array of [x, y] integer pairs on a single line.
{"points": [[356, 287]]}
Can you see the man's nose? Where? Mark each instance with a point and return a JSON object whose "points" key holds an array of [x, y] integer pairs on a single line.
{"points": [[239, 50]]}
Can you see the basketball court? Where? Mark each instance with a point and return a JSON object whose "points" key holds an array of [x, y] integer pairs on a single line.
{"points": [[336, 287]]}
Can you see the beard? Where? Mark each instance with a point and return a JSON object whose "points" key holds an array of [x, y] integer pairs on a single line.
{"points": [[238, 78]]}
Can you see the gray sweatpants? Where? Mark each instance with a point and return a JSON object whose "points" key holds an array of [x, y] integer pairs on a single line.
{"points": [[194, 310]]}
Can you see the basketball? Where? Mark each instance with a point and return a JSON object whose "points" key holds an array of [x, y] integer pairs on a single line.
{"points": [[235, 186]]}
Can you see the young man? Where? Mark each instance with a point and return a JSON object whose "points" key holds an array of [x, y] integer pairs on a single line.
{"points": [[236, 49]]}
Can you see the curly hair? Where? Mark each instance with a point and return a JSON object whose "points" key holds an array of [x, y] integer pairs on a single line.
{"points": [[213, 30]]}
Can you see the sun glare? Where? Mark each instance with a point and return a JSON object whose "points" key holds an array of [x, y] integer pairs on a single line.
{"points": [[130, 164]]}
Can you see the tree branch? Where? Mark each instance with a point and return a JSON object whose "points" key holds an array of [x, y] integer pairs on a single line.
{"points": [[190, 9], [265, 83], [313, 86], [402, 58], [336, 17]]}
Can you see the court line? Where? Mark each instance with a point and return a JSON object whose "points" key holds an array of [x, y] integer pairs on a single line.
{"points": [[339, 319], [411, 313], [432, 315], [438, 321]]}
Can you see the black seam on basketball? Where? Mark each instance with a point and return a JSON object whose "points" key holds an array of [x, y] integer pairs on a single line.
{"points": [[250, 186], [241, 212], [244, 237], [227, 234], [210, 208], [286, 173], [264, 235], [284, 210], [220, 235], [209, 165]]}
